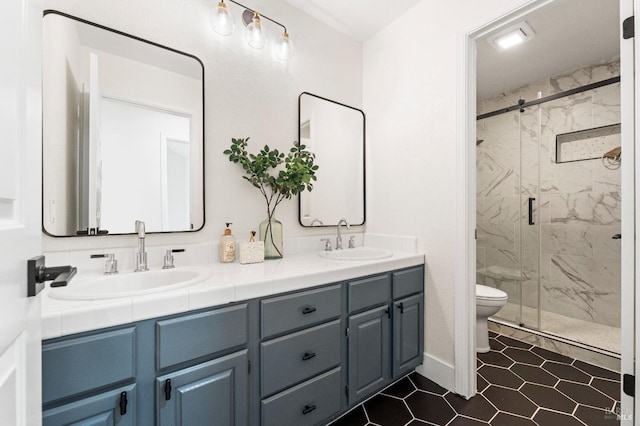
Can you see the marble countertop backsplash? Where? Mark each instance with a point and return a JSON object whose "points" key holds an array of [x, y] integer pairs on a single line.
{"points": [[301, 267]]}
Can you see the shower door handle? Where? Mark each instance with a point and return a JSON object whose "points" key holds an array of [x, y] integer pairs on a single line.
{"points": [[531, 200]]}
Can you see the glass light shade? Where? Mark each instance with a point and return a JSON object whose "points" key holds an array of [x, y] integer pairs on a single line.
{"points": [[256, 34], [284, 49], [221, 20]]}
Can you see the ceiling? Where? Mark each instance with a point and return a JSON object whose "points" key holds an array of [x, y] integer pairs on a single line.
{"points": [[359, 19], [569, 34]]}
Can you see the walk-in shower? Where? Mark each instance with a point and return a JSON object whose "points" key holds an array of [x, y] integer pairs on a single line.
{"points": [[548, 204]]}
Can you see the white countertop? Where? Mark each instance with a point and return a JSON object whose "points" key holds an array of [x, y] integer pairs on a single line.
{"points": [[230, 282]]}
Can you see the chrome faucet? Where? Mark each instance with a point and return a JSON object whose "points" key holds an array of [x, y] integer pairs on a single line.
{"points": [[141, 254], [339, 237]]}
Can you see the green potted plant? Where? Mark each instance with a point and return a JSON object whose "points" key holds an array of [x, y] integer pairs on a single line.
{"points": [[278, 177]]}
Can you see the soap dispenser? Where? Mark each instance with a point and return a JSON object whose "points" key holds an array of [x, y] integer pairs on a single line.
{"points": [[227, 246]]}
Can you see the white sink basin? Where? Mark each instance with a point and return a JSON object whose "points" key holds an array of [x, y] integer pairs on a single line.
{"points": [[358, 253], [129, 284]]}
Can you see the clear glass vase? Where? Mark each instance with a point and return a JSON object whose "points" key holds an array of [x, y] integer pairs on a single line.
{"points": [[271, 233]]}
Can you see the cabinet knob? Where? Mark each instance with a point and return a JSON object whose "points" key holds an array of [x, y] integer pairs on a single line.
{"points": [[308, 408]]}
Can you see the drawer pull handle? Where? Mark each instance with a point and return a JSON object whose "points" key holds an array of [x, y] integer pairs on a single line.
{"points": [[167, 390], [308, 310], [401, 307], [308, 355], [308, 409], [123, 403]]}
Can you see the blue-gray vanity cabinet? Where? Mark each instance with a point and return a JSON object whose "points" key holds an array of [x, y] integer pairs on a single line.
{"points": [[369, 346], [192, 336], [115, 407], [84, 379], [308, 403], [301, 353], [214, 392], [408, 319], [408, 334]]}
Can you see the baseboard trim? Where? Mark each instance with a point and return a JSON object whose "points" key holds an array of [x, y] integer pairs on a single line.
{"points": [[437, 371]]}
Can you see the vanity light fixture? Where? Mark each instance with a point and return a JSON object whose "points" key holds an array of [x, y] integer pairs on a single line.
{"points": [[255, 33], [512, 36], [221, 20]]}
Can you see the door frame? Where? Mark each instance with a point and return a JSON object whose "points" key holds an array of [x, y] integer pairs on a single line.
{"points": [[465, 264]]}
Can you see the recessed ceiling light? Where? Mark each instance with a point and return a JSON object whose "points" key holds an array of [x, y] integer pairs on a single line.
{"points": [[512, 36]]}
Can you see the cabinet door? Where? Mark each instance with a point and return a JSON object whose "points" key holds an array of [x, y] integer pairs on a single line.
{"points": [[212, 393], [117, 407], [369, 347], [408, 334]]}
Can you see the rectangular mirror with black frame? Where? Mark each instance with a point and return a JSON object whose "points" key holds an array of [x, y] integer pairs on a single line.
{"points": [[335, 133], [123, 132]]}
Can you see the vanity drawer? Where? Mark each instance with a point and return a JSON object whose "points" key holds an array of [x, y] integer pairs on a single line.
{"points": [[306, 404], [77, 365], [284, 313], [192, 336], [298, 356], [369, 292], [408, 282]]}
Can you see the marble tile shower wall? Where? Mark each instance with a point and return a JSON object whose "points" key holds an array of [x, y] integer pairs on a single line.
{"points": [[577, 204]]}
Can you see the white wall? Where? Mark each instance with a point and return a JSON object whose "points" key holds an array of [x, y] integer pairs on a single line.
{"points": [[247, 93], [412, 71]]}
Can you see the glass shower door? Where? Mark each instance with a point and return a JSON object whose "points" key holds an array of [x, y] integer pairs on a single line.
{"points": [[499, 210]]}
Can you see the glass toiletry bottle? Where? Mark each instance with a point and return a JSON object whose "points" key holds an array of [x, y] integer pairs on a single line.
{"points": [[227, 246]]}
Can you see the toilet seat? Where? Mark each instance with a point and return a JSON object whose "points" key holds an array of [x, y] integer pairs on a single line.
{"points": [[487, 293]]}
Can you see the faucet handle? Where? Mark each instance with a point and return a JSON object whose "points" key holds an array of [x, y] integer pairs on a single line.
{"points": [[168, 258], [327, 244], [352, 241], [110, 265]]}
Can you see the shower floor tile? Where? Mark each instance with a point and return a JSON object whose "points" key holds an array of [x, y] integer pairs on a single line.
{"points": [[587, 332], [539, 388]]}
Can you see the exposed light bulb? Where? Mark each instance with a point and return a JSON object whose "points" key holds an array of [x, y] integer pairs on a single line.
{"points": [[284, 49], [221, 20], [255, 34]]}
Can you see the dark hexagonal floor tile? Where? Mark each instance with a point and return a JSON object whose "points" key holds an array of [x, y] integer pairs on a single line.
{"points": [[477, 407], [547, 397], [509, 401], [593, 416], [566, 372], [506, 419], [385, 410], [355, 417], [524, 356], [513, 342], [551, 356], [545, 417], [482, 383], [608, 387], [586, 395], [416, 422], [596, 371], [531, 373], [466, 421], [401, 389], [500, 376], [428, 407], [496, 345], [495, 358], [425, 384]]}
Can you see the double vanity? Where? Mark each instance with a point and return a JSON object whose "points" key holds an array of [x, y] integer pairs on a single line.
{"points": [[297, 341]]}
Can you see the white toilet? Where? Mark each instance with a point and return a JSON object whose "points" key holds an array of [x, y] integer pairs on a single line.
{"points": [[489, 301]]}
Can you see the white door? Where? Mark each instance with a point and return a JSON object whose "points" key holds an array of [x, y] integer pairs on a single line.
{"points": [[20, 209]]}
